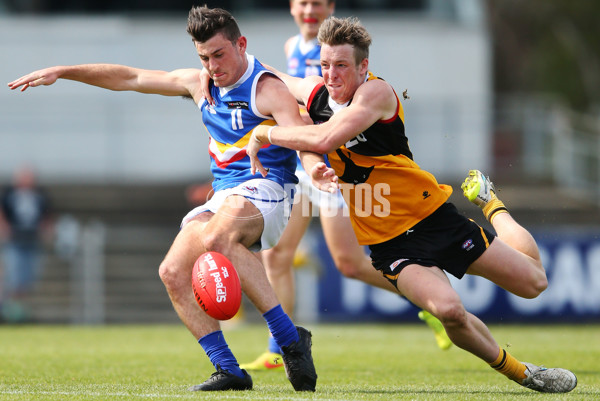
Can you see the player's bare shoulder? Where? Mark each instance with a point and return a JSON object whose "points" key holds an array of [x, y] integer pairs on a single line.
{"points": [[373, 86], [312, 80], [270, 85], [273, 98], [304, 87], [271, 93], [189, 78], [377, 93]]}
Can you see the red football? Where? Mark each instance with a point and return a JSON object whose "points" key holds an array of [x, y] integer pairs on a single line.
{"points": [[216, 286]]}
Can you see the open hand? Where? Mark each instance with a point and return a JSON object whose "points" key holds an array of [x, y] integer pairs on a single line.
{"points": [[324, 178], [47, 76]]}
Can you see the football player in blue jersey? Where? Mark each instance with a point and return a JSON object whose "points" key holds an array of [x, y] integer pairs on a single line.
{"points": [[247, 212], [302, 51]]}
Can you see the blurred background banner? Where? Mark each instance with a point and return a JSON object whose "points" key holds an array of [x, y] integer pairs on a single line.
{"points": [[505, 86], [572, 262]]}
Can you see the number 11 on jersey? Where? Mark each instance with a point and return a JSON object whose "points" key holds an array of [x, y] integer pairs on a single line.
{"points": [[236, 119]]}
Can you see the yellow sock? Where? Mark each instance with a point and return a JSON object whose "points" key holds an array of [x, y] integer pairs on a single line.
{"points": [[509, 366], [493, 208]]}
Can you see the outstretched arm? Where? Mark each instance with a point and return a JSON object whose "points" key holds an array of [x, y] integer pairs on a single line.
{"points": [[300, 88], [116, 77], [373, 101]]}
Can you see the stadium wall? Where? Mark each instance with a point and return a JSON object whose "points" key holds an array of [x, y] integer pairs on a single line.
{"points": [[73, 133]]}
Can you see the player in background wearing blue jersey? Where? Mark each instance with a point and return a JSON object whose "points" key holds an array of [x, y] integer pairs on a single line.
{"points": [[246, 213], [303, 59]]}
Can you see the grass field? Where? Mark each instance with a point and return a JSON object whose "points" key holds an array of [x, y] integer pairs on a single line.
{"points": [[354, 362]]}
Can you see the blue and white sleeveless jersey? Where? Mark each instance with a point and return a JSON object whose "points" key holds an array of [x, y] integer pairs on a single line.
{"points": [[230, 123], [305, 58]]}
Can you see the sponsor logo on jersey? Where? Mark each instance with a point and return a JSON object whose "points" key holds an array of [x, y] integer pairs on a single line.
{"points": [[238, 104]]}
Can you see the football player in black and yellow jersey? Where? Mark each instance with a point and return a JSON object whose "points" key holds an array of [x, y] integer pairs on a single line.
{"points": [[303, 59], [399, 210]]}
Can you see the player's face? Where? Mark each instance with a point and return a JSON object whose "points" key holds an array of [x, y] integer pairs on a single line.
{"points": [[225, 61], [309, 15], [341, 74]]}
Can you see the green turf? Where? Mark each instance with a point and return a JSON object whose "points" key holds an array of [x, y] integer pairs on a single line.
{"points": [[354, 362]]}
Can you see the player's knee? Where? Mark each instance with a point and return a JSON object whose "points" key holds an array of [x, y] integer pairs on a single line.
{"points": [[452, 314], [167, 272], [542, 284], [348, 267], [537, 285], [278, 260]]}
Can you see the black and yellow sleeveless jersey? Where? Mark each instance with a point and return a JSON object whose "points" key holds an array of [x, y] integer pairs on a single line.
{"points": [[386, 191]]}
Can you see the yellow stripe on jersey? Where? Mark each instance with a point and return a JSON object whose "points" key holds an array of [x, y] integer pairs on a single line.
{"points": [[240, 143]]}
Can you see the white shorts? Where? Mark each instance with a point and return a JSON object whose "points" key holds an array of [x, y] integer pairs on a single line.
{"points": [[270, 199], [325, 203]]}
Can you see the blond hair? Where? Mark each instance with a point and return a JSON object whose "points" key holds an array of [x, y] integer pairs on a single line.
{"points": [[346, 31]]}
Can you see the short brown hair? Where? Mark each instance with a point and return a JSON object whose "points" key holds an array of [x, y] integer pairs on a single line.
{"points": [[204, 23], [341, 31]]}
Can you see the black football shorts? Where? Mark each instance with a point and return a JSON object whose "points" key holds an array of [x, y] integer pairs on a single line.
{"points": [[445, 239]]}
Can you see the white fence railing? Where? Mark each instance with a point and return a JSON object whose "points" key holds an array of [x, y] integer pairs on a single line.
{"points": [[554, 144]]}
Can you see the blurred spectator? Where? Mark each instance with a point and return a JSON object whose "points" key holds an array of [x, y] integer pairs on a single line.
{"points": [[25, 220]]}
